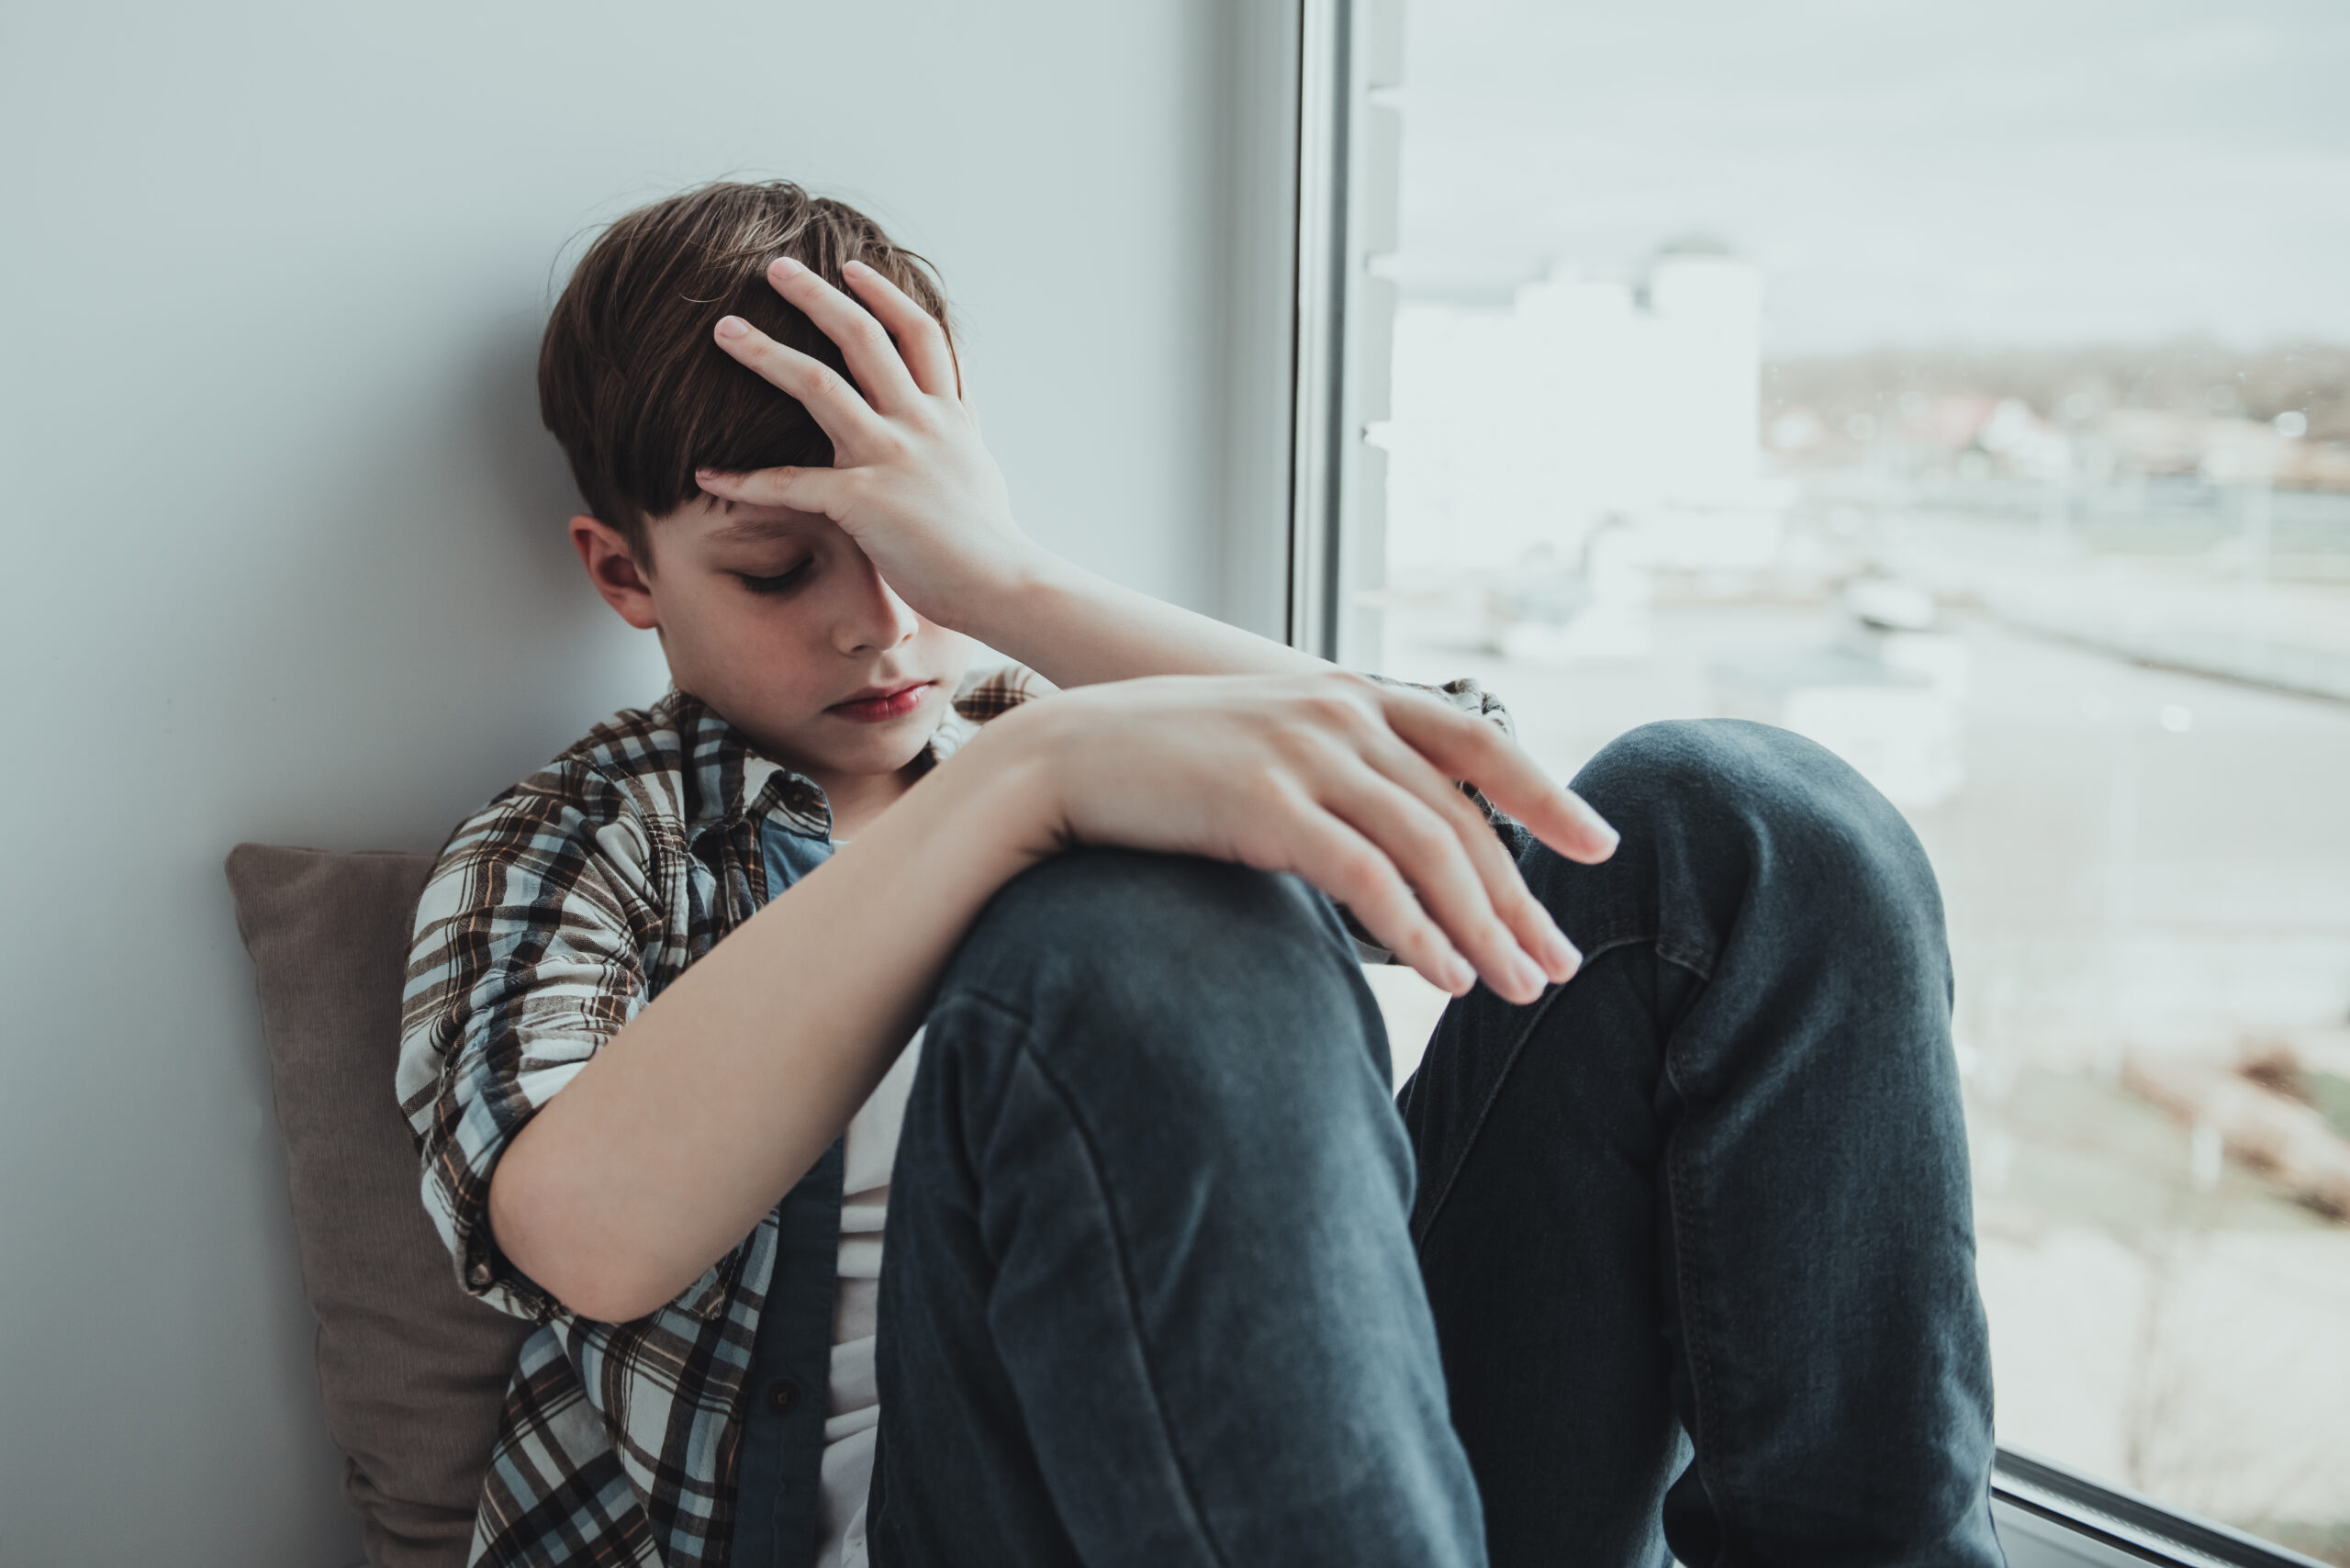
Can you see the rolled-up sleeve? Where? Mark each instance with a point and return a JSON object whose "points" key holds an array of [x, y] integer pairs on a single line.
{"points": [[528, 956]]}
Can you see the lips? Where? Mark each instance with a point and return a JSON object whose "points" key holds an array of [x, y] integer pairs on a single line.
{"points": [[882, 703]]}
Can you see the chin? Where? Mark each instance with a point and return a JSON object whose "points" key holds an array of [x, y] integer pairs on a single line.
{"points": [[884, 748]]}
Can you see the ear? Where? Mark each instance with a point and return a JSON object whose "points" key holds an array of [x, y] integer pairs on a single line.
{"points": [[626, 586]]}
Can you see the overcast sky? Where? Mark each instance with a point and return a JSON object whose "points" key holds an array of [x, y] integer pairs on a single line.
{"points": [[1991, 170]]}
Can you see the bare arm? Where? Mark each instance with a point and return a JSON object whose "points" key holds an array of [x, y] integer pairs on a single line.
{"points": [[698, 1116], [1075, 628], [695, 1118]]}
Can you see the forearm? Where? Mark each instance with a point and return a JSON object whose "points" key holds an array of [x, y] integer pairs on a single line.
{"points": [[698, 1116], [914, 485], [1075, 628]]}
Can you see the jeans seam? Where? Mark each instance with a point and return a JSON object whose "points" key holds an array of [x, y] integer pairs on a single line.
{"points": [[1087, 1142], [1534, 1011], [1704, 1390]]}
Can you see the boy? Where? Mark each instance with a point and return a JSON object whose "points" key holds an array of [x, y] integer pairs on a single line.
{"points": [[1169, 1281]]}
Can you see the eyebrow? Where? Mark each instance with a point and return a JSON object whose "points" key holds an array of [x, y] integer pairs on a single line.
{"points": [[755, 529]]}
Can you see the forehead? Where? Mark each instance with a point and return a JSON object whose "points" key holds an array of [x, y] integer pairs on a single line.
{"points": [[710, 523]]}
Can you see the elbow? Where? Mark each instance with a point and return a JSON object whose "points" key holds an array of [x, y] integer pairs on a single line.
{"points": [[602, 1299], [554, 1242]]}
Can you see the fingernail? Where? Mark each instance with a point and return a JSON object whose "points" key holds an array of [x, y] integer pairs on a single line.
{"points": [[1564, 954], [1592, 820], [1458, 975], [787, 266], [731, 326], [1528, 975], [855, 268]]}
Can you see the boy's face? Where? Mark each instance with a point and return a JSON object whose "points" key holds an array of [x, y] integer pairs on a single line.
{"points": [[777, 620]]}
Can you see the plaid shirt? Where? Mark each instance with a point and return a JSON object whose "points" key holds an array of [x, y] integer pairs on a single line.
{"points": [[554, 915]]}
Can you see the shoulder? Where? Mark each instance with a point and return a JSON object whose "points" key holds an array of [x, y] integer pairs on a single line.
{"points": [[997, 687], [551, 888], [988, 690], [1468, 694], [634, 762], [579, 843], [630, 773]]}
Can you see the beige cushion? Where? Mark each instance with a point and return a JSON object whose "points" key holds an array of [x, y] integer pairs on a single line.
{"points": [[412, 1371]]}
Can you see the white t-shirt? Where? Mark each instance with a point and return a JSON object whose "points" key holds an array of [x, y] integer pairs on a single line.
{"points": [[856, 1402]]}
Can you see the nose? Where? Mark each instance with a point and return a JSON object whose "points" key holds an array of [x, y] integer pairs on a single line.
{"points": [[874, 620]]}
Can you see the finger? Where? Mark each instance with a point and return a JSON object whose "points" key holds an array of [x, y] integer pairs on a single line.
{"points": [[1469, 748], [1506, 891], [921, 342], [872, 358], [836, 406], [824, 490], [1428, 852], [1351, 869]]}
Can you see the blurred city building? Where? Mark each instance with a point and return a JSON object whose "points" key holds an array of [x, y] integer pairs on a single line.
{"points": [[1555, 465], [1521, 434]]}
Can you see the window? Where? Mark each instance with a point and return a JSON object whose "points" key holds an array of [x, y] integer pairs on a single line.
{"points": [[1967, 387]]}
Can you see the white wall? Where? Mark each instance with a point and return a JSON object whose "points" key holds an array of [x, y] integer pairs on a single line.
{"points": [[284, 547]]}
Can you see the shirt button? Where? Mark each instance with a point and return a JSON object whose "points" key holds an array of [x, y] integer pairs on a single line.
{"points": [[783, 1397]]}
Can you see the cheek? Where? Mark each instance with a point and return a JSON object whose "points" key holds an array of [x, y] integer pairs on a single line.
{"points": [[726, 639], [946, 653], [778, 647]]}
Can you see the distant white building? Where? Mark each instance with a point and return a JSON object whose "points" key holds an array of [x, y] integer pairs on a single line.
{"points": [[1517, 432]]}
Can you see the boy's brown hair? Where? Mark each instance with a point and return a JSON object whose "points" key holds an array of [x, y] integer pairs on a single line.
{"points": [[630, 379]]}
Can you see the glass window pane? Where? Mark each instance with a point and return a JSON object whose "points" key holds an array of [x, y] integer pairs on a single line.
{"points": [[1967, 387]]}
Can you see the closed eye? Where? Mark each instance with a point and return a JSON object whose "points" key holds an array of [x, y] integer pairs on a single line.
{"points": [[782, 582]]}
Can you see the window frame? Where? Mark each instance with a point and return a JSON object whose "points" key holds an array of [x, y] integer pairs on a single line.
{"points": [[1348, 146]]}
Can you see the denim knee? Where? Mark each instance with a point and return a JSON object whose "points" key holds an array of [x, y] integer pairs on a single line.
{"points": [[1765, 801], [1173, 985], [1765, 867]]}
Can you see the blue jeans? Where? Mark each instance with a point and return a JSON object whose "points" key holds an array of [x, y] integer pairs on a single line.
{"points": [[1681, 1253]]}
